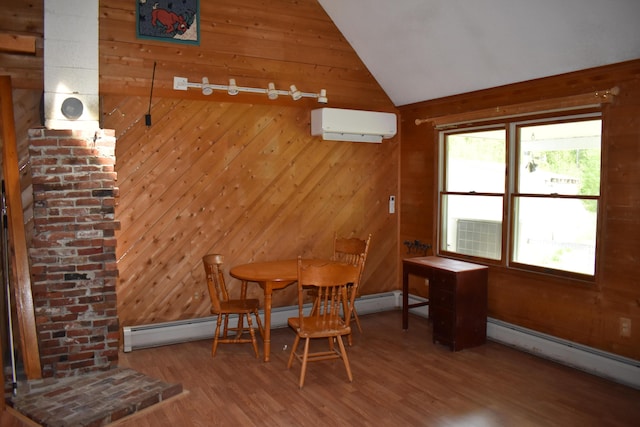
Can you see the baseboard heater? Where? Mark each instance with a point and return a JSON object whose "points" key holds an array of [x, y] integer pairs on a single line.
{"points": [[166, 333], [597, 362], [588, 359]]}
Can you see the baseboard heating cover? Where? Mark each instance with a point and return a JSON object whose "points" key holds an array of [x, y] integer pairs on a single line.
{"points": [[166, 333], [597, 362], [591, 360]]}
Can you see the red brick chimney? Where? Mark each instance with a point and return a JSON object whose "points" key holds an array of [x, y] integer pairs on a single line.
{"points": [[73, 259]]}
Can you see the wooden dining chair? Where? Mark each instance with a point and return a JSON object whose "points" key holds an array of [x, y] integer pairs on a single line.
{"points": [[325, 321], [223, 306], [349, 250]]}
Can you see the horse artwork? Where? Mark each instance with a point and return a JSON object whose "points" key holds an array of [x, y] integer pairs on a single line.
{"points": [[169, 20]]}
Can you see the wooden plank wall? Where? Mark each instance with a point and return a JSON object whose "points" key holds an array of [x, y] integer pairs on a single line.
{"points": [[18, 20], [244, 180], [287, 41], [254, 41], [588, 314], [23, 18], [238, 175]]}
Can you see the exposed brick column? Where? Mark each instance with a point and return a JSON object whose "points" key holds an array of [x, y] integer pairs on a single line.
{"points": [[73, 259]]}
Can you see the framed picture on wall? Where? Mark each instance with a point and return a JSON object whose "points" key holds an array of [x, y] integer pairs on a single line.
{"points": [[168, 20]]}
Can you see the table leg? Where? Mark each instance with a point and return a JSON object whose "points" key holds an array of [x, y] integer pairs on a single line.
{"points": [[405, 300], [267, 321], [243, 295]]}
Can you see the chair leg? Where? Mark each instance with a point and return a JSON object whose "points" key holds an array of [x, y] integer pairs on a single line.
{"points": [[305, 358], [260, 327], [240, 327], [216, 336], [354, 312], [294, 347], [254, 342], [225, 329], [345, 359]]}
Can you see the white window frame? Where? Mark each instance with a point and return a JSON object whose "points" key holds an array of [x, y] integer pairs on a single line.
{"points": [[508, 233]]}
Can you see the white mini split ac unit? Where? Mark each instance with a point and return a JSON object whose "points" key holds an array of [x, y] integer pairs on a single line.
{"points": [[335, 124]]}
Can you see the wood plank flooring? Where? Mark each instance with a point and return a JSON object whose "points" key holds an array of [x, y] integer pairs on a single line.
{"points": [[400, 378]]}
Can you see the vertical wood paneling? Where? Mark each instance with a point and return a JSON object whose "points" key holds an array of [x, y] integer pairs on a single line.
{"points": [[581, 312]]}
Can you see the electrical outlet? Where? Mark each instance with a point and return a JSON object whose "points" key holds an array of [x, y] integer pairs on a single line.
{"points": [[625, 327]]}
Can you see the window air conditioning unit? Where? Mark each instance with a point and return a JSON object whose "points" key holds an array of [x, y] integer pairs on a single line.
{"points": [[335, 124]]}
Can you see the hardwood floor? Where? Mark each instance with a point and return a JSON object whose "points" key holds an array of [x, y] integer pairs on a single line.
{"points": [[400, 378]]}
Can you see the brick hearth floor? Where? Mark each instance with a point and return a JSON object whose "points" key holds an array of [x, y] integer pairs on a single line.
{"points": [[89, 400]]}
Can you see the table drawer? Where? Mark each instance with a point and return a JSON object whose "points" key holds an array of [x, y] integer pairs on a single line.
{"points": [[441, 297], [445, 279], [443, 325]]}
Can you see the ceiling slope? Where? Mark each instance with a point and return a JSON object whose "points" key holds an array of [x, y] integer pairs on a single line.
{"points": [[420, 50]]}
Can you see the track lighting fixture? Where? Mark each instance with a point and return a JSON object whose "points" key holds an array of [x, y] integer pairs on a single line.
{"points": [[322, 98], [233, 88], [272, 93], [206, 87], [182, 83], [295, 93]]}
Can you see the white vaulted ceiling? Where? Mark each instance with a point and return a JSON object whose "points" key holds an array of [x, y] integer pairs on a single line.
{"points": [[420, 50]]}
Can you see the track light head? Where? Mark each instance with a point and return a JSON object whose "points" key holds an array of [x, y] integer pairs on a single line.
{"points": [[322, 97], [206, 87], [233, 88], [295, 93], [272, 93]]}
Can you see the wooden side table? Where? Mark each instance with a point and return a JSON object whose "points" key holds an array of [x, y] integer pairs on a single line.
{"points": [[457, 299]]}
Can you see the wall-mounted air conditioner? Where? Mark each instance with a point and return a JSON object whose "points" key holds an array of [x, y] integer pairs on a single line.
{"points": [[337, 124]]}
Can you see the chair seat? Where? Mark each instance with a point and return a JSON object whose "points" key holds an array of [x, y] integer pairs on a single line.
{"points": [[348, 250], [312, 327], [238, 305], [224, 307], [324, 320]]}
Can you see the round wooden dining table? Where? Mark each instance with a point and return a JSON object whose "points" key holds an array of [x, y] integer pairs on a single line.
{"points": [[271, 275]]}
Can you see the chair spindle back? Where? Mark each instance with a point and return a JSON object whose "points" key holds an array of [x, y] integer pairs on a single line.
{"points": [[215, 279], [330, 282]]}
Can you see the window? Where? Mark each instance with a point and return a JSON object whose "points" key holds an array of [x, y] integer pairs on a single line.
{"points": [[523, 193], [473, 192]]}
